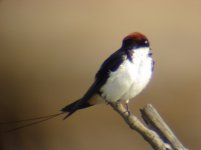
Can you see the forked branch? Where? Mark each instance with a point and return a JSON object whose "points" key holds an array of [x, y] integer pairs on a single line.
{"points": [[155, 132]]}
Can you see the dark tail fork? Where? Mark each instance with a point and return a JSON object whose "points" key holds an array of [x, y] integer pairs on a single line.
{"points": [[73, 107]]}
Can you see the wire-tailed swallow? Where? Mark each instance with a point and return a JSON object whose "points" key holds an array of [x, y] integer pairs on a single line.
{"points": [[121, 77]]}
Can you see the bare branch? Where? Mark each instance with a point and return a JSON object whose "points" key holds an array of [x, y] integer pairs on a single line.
{"points": [[155, 121], [150, 134]]}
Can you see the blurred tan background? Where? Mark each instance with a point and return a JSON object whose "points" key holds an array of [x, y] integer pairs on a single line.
{"points": [[51, 50]]}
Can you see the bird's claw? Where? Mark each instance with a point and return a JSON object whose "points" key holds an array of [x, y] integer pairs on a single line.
{"points": [[127, 112]]}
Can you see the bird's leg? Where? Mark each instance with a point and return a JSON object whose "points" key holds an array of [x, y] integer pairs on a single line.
{"points": [[126, 103], [127, 109]]}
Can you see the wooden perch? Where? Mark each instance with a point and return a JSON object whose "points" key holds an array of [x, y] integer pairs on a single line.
{"points": [[156, 132]]}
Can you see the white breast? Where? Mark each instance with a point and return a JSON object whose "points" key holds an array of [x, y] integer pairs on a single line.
{"points": [[130, 78]]}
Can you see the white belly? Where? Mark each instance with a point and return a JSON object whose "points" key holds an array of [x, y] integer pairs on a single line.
{"points": [[128, 80]]}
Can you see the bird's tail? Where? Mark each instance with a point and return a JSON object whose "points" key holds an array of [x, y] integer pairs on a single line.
{"points": [[73, 107], [70, 109]]}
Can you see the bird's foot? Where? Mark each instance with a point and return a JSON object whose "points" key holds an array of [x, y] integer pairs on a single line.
{"points": [[127, 112], [127, 109]]}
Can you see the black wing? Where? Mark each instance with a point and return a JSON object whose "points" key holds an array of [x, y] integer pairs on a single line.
{"points": [[110, 64]]}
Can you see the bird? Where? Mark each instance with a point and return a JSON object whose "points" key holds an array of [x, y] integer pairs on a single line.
{"points": [[121, 77]]}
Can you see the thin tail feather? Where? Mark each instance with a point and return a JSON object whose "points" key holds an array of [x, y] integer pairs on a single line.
{"points": [[34, 123], [26, 120], [70, 109]]}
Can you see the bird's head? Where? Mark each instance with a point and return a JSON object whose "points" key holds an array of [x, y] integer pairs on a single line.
{"points": [[134, 41]]}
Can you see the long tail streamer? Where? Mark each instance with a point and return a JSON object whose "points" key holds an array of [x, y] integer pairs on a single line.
{"points": [[32, 121]]}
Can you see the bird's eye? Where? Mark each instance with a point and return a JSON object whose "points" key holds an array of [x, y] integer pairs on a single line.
{"points": [[146, 42]]}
